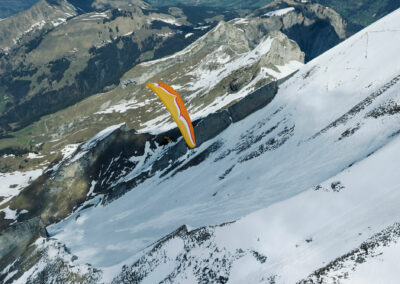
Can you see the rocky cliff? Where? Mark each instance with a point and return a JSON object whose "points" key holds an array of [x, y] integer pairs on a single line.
{"points": [[304, 23]]}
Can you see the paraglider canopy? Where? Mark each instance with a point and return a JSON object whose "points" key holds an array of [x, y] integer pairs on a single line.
{"points": [[174, 104]]}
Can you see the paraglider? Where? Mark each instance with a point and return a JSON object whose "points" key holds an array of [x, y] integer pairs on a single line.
{"points": [[174, 104]]}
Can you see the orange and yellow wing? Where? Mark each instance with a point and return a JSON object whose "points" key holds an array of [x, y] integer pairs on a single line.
{"points": [[174, 103]]}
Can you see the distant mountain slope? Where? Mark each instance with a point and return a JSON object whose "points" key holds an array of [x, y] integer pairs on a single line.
{"points": [[247, 4], [360, 14], [29, 24], [315, 34], [11, 7]]}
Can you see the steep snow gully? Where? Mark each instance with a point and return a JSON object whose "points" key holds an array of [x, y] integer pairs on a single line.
{"points": [[318, 163]]}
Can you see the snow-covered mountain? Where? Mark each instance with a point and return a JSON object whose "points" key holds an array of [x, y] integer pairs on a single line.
{"points": [[293, 183], [311, 179]]}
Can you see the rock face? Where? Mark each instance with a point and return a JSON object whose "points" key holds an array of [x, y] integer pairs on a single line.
{"points": [[15, 239], [253, 102], [304, 23]]}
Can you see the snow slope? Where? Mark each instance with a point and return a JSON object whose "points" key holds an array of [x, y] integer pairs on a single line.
{"points": [[290, 239], [12, 183], [280, 12], [337, 110]]}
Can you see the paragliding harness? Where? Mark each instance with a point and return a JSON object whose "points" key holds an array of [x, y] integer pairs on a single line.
{"points": [[166, 140]]}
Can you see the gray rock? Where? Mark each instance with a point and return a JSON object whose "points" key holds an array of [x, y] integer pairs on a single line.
{"points": [[253, 102], [16, 238], [211, 126]]}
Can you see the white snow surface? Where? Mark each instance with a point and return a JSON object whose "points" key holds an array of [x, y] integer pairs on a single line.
{"points": [[168, 20], [304, 233], [334, 223], [69, 149], [12, 183], [382, 269], [280, 12], [188, 35], [282, 178], [9, 213], [34, 156]]}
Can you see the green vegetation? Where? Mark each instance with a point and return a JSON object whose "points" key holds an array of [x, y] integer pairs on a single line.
{"points": [[58, 67], [359, 13]]}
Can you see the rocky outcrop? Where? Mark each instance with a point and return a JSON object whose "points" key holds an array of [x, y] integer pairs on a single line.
{"points": [[343, 266], [213, 265], [48, 261], [15, 239], [253, 102], [314, 27]]}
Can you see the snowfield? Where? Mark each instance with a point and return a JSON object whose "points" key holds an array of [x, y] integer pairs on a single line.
{"points": [[279, 12], [308, 178], [12, 183], [290, 239]]}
